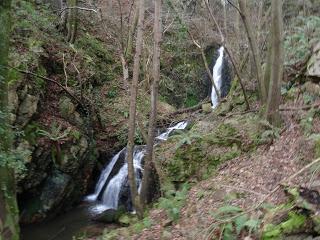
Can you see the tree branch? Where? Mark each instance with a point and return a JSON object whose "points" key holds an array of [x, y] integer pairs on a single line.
{"points": [[49, 80]]}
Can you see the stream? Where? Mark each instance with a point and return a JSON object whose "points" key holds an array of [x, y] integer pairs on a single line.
{"points": [[112, 188], [63, 227]]}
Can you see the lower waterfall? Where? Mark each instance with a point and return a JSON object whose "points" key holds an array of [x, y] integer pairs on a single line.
{"points": [[108, 191]]}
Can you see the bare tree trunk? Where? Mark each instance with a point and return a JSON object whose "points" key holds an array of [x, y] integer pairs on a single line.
{"points": [[9, 228], [125, 71], [132, 110], [128, 50], [72, 23], [238, 36], [254, 48], [149, 165], [225, 25], [276, 73]]}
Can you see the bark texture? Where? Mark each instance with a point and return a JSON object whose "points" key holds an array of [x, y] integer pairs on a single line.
{"points": [[72, 21], [276, 70], [149, 165], [132, 109], [254, 47]]}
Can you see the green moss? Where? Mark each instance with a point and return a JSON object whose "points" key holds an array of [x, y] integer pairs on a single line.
{"points": [[14, 76], [39, 83], [30, 133], [292, 224], [317, 148]]}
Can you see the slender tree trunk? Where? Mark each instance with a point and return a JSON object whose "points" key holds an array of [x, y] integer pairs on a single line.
{"points": [[128, 50], [132, 109], [254, 48], [276, 73], [225, 25], [238, 35], [9, 228], [149, 165], [72, 24], [267, 70]]}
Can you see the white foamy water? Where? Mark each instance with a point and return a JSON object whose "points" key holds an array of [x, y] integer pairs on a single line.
{"points": [[103, 178], [217, 77], [111, 193]]}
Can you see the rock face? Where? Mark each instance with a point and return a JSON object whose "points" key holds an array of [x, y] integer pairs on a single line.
{"points": [[313, 69], [57, 151]]}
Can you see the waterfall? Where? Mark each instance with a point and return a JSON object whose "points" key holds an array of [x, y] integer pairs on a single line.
{"points": [[164, 136], [111, 194], [103, 178], [217, 77], [119, 182]]}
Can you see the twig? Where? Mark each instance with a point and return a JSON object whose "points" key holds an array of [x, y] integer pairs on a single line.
{"points": [[242, 189], [205, 64], [80, 8], [65, 72], [239, 77], [233, 5]]}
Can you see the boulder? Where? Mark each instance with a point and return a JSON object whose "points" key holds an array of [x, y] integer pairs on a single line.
{"points": [[27, 108], [313, 68], [165, 108], [66, 107], [109, 215], [207, 108]]}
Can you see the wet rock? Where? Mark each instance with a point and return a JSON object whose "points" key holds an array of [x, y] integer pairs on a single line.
{"points": [[55, 189], [109, 216]]}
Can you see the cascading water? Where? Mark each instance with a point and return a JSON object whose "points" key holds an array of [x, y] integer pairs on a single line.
{"points": [[217, 77], [103, 177], [113, 189], [111, 194], [164, 136]]}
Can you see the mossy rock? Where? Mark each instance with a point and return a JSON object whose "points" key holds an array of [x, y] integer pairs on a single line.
{"points": [[66, 107]]}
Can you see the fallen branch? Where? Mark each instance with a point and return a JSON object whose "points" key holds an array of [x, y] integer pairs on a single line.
{"points": [[190, 109], [79, 8], [306, 107]]}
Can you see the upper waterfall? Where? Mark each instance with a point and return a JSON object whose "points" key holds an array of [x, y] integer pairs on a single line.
{"points": [[217, 77]]}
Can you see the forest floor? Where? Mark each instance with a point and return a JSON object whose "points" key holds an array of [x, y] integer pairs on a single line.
{"points": [[244, 182]]}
